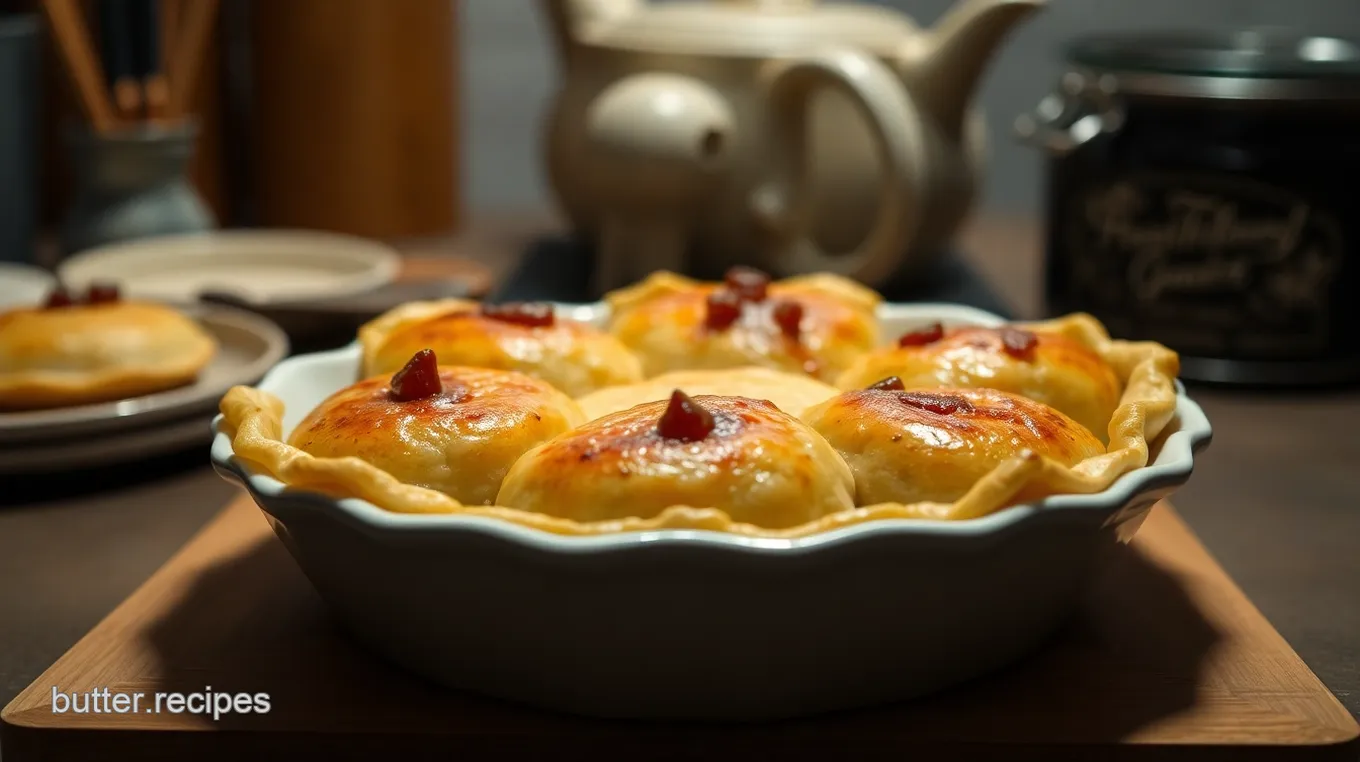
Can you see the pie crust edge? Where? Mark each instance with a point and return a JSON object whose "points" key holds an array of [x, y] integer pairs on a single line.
{"points": [[253, 420]]}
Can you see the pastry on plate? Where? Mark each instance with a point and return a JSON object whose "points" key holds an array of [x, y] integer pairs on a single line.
{"points": [[451, 429], [934, 445], [575, 357], [743, 457], [815, 324], [96, 347], [1044, 365], [790, 392]]}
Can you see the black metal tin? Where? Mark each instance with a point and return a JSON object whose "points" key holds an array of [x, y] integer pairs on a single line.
{"points": [[1204, 192]]}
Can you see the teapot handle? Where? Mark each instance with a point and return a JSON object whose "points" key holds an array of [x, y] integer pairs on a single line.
{"points": [[783, 203]]}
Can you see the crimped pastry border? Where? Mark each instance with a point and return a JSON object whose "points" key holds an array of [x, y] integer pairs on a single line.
{"points": [[253, 420]]}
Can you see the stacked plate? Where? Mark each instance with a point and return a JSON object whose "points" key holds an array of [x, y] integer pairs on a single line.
{"points": [[256, 267]]}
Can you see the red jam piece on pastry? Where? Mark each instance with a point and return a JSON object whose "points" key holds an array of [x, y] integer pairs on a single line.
{"points": [[923, 337], [889, 384], [419, 379], [723, 309], [748, 283], [527, 314], [940, 404], [102, 293], [684, 419], [59, 297], [789, 317], [1018, 343]]}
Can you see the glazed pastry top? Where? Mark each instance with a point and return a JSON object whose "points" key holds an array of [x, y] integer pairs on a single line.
{"points": [[1043, 366], [573, 356], [791, 392], [961, 422], [96, 337], [910, 445], [460, 439], [758, 464], [812, 325], [97, 347]]}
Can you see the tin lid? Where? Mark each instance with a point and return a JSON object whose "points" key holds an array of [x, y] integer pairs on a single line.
{"points": [[1248, 64]]}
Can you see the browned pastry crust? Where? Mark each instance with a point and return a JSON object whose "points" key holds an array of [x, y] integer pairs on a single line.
{"points": [[572, 356], [89, 353], [1061, 371], [1145, 372], [663, 320], [791, 392], [759, 466], [460, 442], [933, 445]]}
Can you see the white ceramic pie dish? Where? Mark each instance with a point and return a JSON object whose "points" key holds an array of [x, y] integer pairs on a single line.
{"points": [[696, 624]]}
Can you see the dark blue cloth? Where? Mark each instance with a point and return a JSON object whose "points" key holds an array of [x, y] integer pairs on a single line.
{"points": [[559, 270]]}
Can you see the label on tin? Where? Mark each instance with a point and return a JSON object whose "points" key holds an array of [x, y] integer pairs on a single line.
{"points": [[1208, 264]]}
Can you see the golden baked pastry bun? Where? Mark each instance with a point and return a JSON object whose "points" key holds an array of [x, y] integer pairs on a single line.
{"points": [[791, 392], [1045, 366], [934, 445], [452, 429], [575, 357], [815, 324], [253, 421], [95, 348], [744, 457]]}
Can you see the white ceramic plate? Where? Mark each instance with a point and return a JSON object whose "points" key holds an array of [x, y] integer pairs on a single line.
{"points": [[248, 345], [694, 624], [23, 285], [259, 266]]}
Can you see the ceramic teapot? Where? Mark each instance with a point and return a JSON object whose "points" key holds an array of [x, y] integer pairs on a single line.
{"points": [[792, 135]]}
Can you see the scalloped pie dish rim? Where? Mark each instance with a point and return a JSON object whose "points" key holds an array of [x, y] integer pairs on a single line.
{"points": [[1170, 466]]}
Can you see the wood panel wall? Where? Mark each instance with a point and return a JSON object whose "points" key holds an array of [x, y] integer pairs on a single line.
{"points": [[351, 121], [58, 110], [354, 124]]}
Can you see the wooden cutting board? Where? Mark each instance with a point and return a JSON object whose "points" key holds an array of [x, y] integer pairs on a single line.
{"points": [[1168, 661]]}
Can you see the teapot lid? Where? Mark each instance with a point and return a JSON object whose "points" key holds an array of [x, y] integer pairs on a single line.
{"points": [[753, 27]]}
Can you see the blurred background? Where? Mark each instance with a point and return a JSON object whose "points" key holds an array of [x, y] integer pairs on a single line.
{"points": [[501, 72], [428, 126], [328, 160], [509, 73]]}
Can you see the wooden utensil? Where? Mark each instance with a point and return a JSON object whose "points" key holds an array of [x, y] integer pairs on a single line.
{"points": [[187, 59], [148, 61], [170, 13], [117, 45], [1169, 661], [72, 37]]}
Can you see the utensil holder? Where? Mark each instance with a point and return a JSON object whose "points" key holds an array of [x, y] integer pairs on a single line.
{"points": [[132, 184], [18, 136]]}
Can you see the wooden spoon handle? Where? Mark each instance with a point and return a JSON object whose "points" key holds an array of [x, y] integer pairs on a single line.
{"points": [[187, 60], [72, 37]]}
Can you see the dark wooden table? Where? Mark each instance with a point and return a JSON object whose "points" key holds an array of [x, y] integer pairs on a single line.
{"points": [[1276, 499]]}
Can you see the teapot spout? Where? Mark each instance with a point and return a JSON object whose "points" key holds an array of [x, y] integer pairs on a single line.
{"points": [[570, 21], [945, 64]]}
